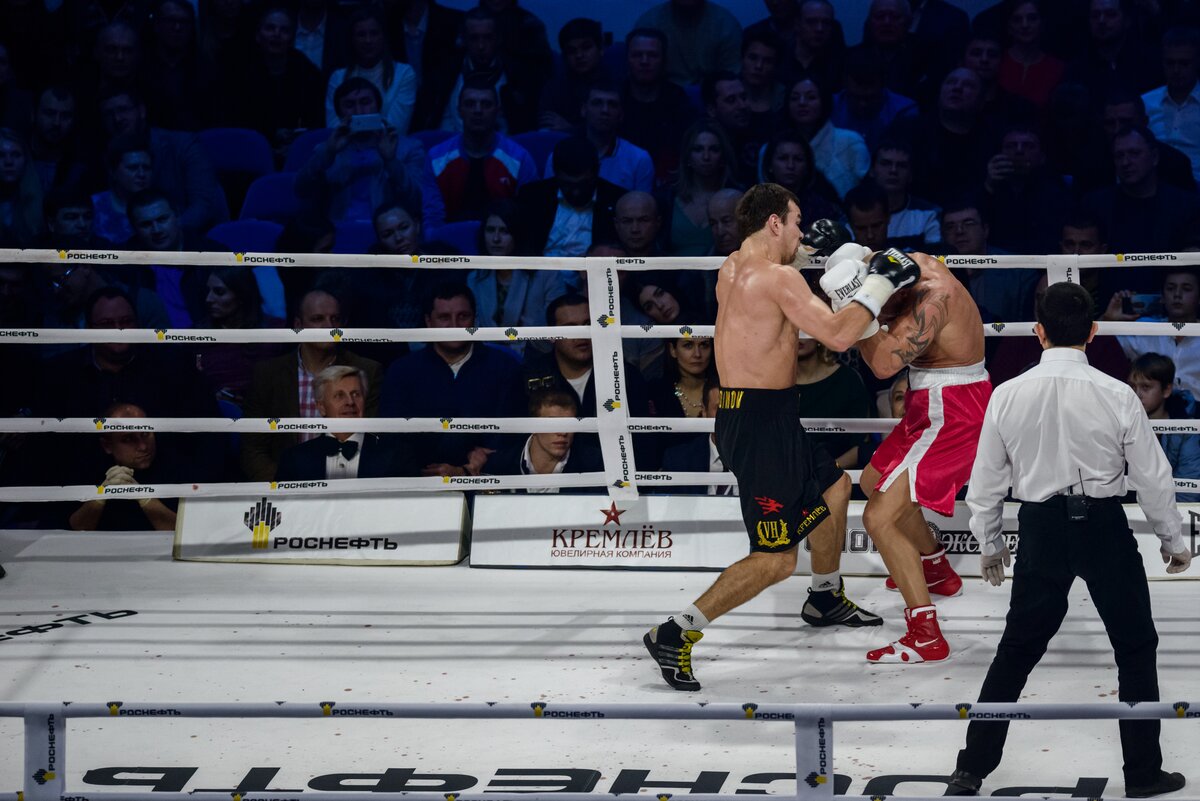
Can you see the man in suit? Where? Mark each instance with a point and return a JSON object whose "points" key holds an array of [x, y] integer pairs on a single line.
{"points": [[84, 382], [570, 211], [284, 386], [548, 453], [341, 392], [454, 379], [425, 36]]}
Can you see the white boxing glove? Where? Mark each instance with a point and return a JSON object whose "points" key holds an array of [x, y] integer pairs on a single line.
{"points": [[842, 281], [849, 251]]}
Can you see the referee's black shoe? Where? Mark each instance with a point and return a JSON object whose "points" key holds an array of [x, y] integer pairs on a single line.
{"points": [[1165, 783], [671, 647], [833, 608], [963, 783]]}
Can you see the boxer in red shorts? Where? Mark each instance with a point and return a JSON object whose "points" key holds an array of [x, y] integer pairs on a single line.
{"points": [[934, 329]]}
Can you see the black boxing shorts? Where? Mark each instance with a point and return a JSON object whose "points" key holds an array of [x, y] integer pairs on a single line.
{"points": [[781, 474]]}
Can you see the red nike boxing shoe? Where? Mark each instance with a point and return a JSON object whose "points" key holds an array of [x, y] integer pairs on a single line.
{"points": [[940, 578], [922, 643]]}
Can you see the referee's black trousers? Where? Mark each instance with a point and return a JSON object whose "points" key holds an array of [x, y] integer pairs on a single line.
{"points": [[1051, 552]]}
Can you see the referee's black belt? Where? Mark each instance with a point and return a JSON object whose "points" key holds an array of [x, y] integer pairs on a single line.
{"points": [[1060, 502]]}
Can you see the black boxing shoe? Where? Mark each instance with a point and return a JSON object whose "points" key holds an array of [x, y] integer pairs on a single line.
{"points": [[671, 648], [833, 608]]}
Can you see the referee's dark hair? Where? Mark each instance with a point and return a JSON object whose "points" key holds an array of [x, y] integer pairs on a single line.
{"points": [[1065, 312]]}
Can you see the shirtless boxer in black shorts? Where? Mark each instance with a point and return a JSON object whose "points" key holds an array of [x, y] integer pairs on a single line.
{"points": [[789, 490]]}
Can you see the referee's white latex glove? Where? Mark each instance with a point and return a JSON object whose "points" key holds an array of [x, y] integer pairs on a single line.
{"points": [[1176, 562], [117, 475], [993, 566]]}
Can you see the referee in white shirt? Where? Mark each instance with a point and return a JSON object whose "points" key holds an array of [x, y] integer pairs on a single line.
{"points": [[1062, 435]]}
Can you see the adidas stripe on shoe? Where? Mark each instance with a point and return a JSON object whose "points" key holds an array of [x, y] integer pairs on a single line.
{"points": [[671, 648], [833, 608]]}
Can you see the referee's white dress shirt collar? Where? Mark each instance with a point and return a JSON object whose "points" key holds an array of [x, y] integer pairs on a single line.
{"points": [[1064, 355]]}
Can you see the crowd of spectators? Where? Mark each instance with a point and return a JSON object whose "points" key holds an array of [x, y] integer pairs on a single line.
{"points": [[406, 127]]}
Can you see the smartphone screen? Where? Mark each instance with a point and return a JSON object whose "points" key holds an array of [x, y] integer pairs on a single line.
{"points": [[366, 122]]}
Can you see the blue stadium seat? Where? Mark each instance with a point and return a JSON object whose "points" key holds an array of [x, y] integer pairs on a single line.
{"points": [[353, 237], [303, 146], [247, 236], [616, 61], [271, 197], [237, 150], [540, 145], [462, 236], [228, 408], [430, 139]]}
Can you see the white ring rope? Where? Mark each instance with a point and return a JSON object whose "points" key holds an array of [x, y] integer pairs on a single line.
{"points": [[386, 486], [445, 425], [201, 336], [341, 486], [613, 424], [107, 258], [348, 336]]}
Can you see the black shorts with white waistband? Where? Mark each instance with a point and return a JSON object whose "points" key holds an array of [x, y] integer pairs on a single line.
{"points": [[781, 474]]}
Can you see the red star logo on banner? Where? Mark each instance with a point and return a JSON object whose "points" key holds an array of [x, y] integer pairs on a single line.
{"points": [[612, 514]]}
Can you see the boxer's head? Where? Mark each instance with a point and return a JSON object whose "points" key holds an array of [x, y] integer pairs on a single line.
{"points": [[771, 213]]}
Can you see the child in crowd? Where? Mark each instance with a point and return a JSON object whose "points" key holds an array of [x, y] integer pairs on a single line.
{"points": [[1152, 377]]}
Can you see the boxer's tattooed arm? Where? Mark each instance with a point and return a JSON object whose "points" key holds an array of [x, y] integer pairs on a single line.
{"points": [[910, 334], [915, 335]]}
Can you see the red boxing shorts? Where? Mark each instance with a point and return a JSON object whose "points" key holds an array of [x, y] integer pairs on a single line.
{"points": [[936, 440]]}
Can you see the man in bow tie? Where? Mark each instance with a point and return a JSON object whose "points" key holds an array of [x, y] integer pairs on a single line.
{"points": [[340, 392]]}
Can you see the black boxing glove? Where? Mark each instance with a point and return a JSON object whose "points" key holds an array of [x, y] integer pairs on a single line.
{"points": [[826, 236], [887, 271]]}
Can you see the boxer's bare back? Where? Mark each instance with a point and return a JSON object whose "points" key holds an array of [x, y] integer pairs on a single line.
{"points": [[934, 323]]}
